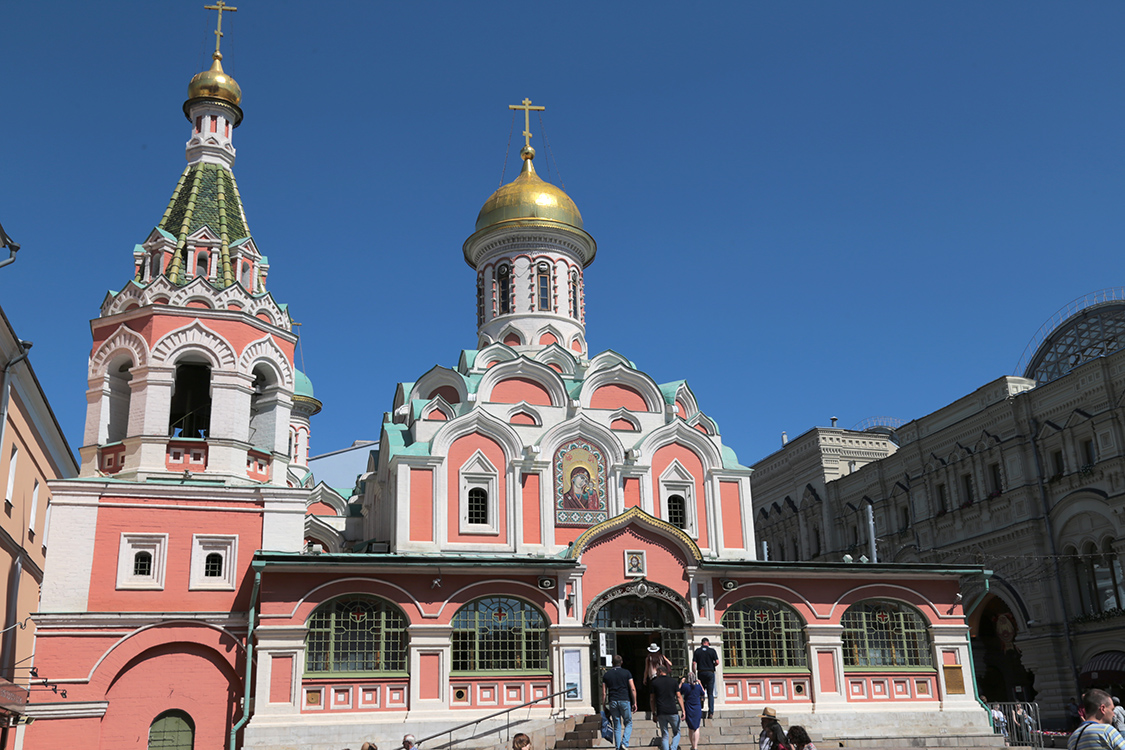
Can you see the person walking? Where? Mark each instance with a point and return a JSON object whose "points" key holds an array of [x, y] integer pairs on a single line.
{"points": [[799, 738], [704, 662], [1097, 732], [772, 736], [652, 663], [619, 697], [1118, 716], [692, 700], [669, 706]]}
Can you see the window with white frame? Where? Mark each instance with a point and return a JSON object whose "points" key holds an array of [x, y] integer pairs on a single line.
{"points": [[12, 474], [141, 561], [677, 498], [479, 506], [213, 559], [34, 507]]}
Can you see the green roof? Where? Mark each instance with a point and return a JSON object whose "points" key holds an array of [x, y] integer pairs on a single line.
{"points": [[302, 386]]}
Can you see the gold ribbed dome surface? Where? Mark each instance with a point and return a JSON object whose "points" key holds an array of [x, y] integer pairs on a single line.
{"points": [[528, 197], [215, 84]]}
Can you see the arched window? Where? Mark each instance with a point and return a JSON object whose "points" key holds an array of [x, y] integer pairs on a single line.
{"points": [[504, 289], [142, 564], [202, 264], [478, 505], [356, 634], [245, 276], [884, 633], [574, 294], [154, 265], [120, 396], [190, 413], [213, 565], [172, 730], [499, 634], [677, 511], [763, 634], [543, 281], [264, 409]]}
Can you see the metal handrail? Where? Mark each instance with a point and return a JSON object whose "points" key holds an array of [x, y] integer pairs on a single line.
{"points": [[450, 731]]}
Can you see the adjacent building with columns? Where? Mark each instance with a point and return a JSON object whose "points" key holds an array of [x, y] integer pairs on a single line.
{"points": [[528, 512]]}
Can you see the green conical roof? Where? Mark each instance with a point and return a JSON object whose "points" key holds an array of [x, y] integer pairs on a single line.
{"points": [[206, 195]]}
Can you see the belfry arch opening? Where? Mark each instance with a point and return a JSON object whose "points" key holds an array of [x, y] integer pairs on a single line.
{"points": [[629, 624], [263, 409], [190, 414], [118, 377]]}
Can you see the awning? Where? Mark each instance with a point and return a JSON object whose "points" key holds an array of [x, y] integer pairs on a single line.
{"points": [[1106, 667]]}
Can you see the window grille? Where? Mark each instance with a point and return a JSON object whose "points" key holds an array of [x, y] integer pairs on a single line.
{"points": [[544, 288], [356, 634], [677, 511], [213, 565], [499, 634], [504, 289], [478, 505], [763, 634], [880, 633], [142, 564]]}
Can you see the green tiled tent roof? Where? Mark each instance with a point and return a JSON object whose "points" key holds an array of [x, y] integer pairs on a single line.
{"points": [[206, 195]]}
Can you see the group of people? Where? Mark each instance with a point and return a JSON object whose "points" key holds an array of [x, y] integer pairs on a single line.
{"points": [[773, 737]]}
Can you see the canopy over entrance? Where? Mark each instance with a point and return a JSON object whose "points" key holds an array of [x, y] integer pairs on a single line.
{"points": [[1107, 668]]}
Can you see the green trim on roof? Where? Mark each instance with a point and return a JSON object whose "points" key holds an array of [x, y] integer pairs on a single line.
{"points": [[467, 359], [396, 435], [573, 388], [669, 390], [730, 458]]}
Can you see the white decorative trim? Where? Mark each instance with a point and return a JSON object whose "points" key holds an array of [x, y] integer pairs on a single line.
{"points": [[702, 420], [197, 338], [687, 398], [676, 480], [608, 359], [132, 544], [677, 431], [478, 473], [75, 710], [525, 408], [625, 376], [436, 378], [497, 352], [438, 404], [556, 355], [203, 545], [626, 415], [480, 421], [523, 368], [123, 339], [266, 349]]}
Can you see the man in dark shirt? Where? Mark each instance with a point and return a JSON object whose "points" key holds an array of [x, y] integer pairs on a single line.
{"points": [[703, 663], [669, 706], [619, 696]]}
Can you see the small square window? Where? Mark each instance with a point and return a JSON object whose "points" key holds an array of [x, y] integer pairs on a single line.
{"points": [[109, 460], [197, 457], [213, 561], [141, 561], [177, 456]]}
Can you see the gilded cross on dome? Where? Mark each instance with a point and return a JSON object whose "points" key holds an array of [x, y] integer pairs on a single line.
{"points": [[221, 7], [527, 108]]}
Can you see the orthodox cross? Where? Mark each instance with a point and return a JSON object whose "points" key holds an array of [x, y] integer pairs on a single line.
{"points": [[219, 6], [527, 108]]}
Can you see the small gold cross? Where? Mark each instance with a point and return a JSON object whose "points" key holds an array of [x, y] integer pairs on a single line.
{"points": [[526, 107], [221, 7]]}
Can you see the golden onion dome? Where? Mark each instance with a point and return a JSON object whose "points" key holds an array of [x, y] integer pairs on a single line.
{"points": [[215, 84], [528, 197]]}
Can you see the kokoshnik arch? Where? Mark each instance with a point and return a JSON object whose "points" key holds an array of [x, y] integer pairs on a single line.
{"points": [[522, 508]]}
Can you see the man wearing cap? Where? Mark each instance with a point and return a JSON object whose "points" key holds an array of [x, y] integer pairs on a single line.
{"points": [[703, 663]]}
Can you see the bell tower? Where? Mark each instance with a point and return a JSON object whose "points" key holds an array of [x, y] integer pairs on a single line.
{"points": [[530, 251]]}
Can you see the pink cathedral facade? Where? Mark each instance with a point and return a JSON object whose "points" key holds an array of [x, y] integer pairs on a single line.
{"points": [[527, 513]]}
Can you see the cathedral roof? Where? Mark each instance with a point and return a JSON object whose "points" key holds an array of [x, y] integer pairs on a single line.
{"points": [[217, 85], [205, 195], [528, 197]]}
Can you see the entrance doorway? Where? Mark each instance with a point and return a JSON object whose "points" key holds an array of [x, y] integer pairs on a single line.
{"points": [[630, 624]]}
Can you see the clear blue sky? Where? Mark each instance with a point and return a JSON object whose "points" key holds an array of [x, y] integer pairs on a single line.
{"points": [[806, 209]]}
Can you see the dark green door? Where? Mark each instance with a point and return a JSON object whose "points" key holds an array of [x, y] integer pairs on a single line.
{"points": [[172, 730]]}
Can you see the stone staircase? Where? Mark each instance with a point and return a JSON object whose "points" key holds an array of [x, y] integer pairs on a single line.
{"points": [[738, 730]]}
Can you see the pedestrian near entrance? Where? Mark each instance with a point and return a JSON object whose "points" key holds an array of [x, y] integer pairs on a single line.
{"points": [[669, 707], [619, 696], [692, 693], [1097, 732], [653, 662], [704, 662], [799, 738], [772, 736]]}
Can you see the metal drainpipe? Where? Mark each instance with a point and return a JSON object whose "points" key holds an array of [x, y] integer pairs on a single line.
{"points": [[248, 679], [871, 532], [1054, 547], [7, 650]]}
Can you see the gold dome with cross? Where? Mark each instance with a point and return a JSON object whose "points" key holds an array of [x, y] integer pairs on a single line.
{"points": [[528, 196], [215, 83]]}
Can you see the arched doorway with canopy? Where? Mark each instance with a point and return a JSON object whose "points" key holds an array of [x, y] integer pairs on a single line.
{"points": [[626, 619]]}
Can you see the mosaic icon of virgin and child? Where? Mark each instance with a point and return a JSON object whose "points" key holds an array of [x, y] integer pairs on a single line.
{"points": [[578, 474], [582, 495]]}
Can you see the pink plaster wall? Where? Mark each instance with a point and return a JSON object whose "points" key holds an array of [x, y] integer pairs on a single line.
{"points": [[632, 492], [531, 530], [622, 424], [448, 392], [459, 453], [732, 515], [661, 460], [521, 417], [281, 679], [681, 412], [547, 339], [320, 509], [614, 396], [429, 681], [154, 326], [514, 390], [827, 666], [421, 505], [118, 515], [605, 560], [513, 339]]}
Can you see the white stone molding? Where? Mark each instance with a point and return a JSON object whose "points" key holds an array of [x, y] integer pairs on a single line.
{"points": [[478, 473], [197, 339], [702, 420], [439, 377], [123, 340], [203, 545], [266, 350], [440, 405], [677, 480], [525, 408], [133, 544], [526, 369], [556, 355], [626, 415], [686, 397], [677, 431], [584, 427], [498, 352], [559, 335], [608, 359], [626, 376], [320, 530], [482, 422], [67, 710]]}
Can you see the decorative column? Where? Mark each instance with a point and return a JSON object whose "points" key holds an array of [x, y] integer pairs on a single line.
{"points": [[826, 662], [431, 654], [280, 660]]}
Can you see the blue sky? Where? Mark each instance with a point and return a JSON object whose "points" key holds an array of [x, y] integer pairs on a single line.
{"points": [[806, 209]]}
